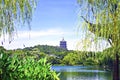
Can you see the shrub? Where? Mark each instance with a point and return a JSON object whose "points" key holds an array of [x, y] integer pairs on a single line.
{"points": [[17, 68]]}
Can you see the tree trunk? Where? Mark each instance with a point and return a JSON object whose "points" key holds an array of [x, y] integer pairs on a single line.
{"points": [[116, 68]]}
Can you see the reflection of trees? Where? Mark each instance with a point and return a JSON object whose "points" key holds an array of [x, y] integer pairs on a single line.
{"points": [[85, 76]]}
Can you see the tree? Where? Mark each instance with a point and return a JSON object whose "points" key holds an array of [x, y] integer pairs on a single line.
{"points": [[103, 19], [72, 58], [14, 13]]}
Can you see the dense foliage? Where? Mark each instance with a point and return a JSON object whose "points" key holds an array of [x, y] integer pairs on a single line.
{"points": [[58, 56], [23, 67]]}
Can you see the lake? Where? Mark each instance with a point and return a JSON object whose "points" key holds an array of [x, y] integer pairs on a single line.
{"points": [[82, 73]]}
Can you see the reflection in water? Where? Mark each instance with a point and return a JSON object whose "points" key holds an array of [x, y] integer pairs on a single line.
{"points": [[82, 73]]}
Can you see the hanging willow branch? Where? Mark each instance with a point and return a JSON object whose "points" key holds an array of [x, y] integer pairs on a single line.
{"points": [[97, 28], [14, 13], [106, 22]]}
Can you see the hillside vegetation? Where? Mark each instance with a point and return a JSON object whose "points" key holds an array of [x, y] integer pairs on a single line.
{"points": [[58, 56]]}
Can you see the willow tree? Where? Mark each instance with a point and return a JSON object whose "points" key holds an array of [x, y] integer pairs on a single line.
{"points": [[103, 19], [14, 13]]}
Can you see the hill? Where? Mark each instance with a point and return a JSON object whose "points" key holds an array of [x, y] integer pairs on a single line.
{"points": [[46, 49]]}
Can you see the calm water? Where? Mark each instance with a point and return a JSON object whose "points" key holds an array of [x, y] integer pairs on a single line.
{"points": [[82, 73]]}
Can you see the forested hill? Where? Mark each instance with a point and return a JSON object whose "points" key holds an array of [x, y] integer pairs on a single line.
{"points": [[46, 49], [59, 56]]}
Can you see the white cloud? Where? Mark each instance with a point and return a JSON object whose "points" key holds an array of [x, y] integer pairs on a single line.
{"points": [[32, 34], [43, 37]]}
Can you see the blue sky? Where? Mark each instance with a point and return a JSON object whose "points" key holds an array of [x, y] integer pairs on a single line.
{"points": [[52, 20]]}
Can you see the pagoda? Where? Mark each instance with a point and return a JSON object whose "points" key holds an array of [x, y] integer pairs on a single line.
{"points": [[63, 44]]}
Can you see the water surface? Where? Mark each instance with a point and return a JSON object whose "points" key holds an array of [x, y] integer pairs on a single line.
{"points": [[82, 73]]}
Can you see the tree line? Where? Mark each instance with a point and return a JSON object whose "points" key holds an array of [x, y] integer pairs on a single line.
{"points": [[59, 56]]}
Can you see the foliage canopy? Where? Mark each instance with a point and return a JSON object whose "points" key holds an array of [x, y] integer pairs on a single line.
{"points": [[14, 13], [105, 23], [103, 19]]}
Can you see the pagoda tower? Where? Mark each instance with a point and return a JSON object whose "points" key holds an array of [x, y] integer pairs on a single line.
{"points": [[63, 44]]}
